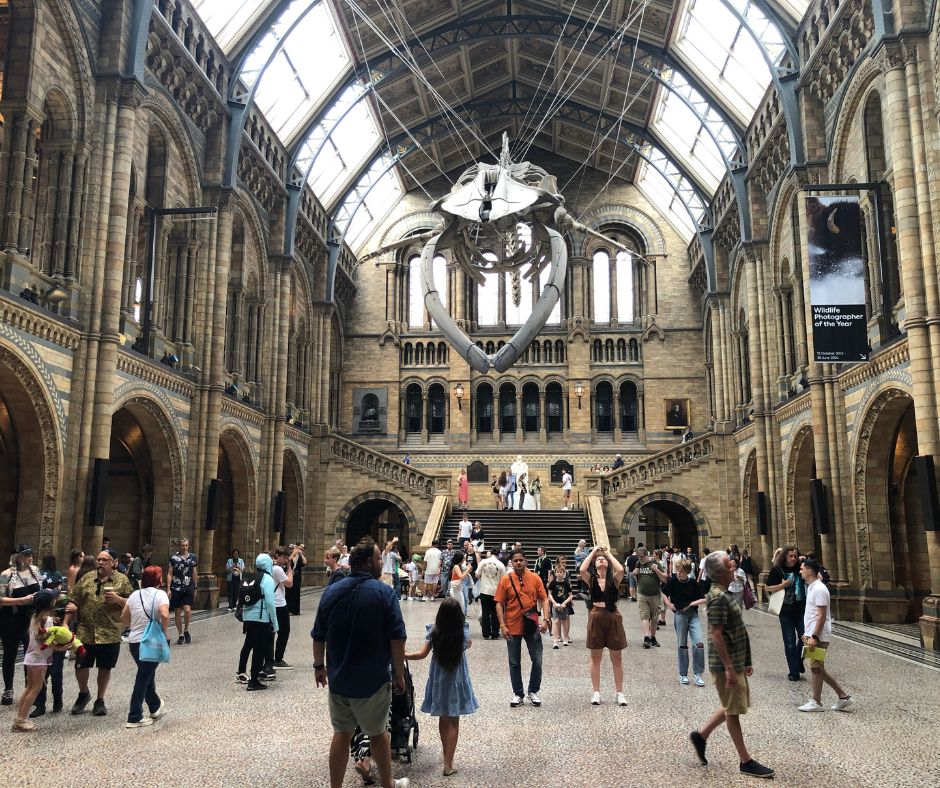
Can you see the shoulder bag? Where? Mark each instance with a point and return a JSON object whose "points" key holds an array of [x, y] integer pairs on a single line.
{"points": [[749, 600], [530, 617], [776, 602], [153, 645]]}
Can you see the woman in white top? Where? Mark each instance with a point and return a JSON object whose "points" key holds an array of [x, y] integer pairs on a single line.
{"points": [[736, 586], [149, 602]]}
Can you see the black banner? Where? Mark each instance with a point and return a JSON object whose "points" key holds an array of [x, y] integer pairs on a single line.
{"points": [[836, 279]]}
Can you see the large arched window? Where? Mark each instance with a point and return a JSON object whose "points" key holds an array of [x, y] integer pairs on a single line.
{"points": [[554, 407], [485, 408], [603, 407], [624, 287], [628, 407], [507, 408], [437, 407], [488, 297], [439, 269], [600, 285], [415, 293], [413, 408], [530, 407]]}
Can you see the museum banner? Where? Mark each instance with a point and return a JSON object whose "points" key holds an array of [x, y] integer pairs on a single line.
{"points": [[836, 279]]}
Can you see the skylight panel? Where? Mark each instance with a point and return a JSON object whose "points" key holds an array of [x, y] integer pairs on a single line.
{"points": [[228, 21], [664, 185], [353, 139], [376, 193], [311, 60]]}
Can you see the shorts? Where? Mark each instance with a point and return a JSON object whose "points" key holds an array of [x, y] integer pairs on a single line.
{"points": [[736, 699], [104, 656], [370, 714], [432, 580], [632, 580], [819, 663], [560, 613], [605, 630], [649, 606], [182, 598]]}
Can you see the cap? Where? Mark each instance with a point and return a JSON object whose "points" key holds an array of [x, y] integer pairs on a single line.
{"points": [[24, 548], [44, 598]]}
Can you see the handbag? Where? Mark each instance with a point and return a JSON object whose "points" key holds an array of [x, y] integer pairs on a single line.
{"points": [[776, 602], [153, 644], [749, 600]]}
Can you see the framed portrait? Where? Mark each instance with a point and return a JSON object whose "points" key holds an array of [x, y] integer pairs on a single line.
{"points": [[677, 414]]}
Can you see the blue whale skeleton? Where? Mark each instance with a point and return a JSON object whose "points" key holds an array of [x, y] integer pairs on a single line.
{"points": [[499, 218]]}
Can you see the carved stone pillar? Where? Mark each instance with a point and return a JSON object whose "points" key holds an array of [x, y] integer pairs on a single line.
{"points": [[76, 216], [618, 433], [22, 127], [519, 414], [26, 222], [424, 416], [543, 417], [66, 168]]}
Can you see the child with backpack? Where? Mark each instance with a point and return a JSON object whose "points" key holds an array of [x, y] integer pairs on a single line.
{"points": [[259, 619], [449, 693], [38, 658]]}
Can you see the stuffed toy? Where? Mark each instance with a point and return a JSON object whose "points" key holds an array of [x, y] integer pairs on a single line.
{"points": [[61, 636]]}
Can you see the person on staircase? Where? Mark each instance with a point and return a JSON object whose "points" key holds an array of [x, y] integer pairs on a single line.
{"points": [[464, 529], [463, 489]]}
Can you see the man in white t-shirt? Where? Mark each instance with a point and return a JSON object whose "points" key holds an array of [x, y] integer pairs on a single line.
{"points": [[817, 628], [283, 574], [432, 573], [566, 488], [704, 580], [463, 530]]}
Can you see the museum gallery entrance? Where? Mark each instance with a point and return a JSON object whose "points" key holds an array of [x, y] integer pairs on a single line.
{"points": [[667, 522], [378, 518]]}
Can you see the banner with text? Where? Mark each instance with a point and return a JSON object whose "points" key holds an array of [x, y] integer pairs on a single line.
{"points": [[837, 279]]}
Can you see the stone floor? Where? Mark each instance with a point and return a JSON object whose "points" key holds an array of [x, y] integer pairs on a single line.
{"points": [[216, 734]]}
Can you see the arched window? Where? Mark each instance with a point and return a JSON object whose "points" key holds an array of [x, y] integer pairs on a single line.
{"points": [[609, 350], [490, 348], [484, 408], [624, 287], [530, 407], [413, 408], [507, 408], [517, 314], [419, 354], [597, 351], [634, 350], [432, 355], [415, 293], [439, 268], [553, 407], [559, 352], [628, 407], [603, 407], [600, 286], [547, 351], [536, 355], [621, 350], [488, 297], [408, 354], [441, 353], [437, 407]]}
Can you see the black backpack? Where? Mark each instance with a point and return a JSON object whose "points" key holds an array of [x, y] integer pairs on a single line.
{"points": [[250, 592]]}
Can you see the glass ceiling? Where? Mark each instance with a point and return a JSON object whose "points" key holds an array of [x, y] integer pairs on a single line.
{"points": [[303, 56]]}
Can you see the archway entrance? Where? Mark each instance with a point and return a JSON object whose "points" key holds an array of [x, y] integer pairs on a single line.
{"points": [[378, 518], [293, 501], [896, 548], [27, 486], [804, 470], [140, 503], [659, 519], [235, 508]]}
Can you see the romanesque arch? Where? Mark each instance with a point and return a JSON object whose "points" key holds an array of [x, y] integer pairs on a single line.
{"points": [[30, 453], [238, 498], [688, 520], [362, 516], [801, 468], [293, 486]]}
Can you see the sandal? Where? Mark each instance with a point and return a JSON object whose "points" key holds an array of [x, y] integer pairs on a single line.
{"points": [[449, 772], [366, 775], [23, 726]]}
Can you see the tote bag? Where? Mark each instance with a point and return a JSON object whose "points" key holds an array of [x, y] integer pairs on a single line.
{"points": [[153, 645], [776, 602]]}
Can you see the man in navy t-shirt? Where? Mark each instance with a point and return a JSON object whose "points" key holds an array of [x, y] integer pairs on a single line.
{"points": [[359, 628]]}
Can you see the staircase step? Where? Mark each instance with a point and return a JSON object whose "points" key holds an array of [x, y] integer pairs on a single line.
{"points": [[556, 530]]}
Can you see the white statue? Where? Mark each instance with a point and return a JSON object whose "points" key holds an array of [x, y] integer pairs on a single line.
{"points": [[519, 467]]}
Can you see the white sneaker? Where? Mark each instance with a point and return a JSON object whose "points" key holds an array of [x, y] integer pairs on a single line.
{"points": [[564, 508], [812, 705], [683, 679], [516, 701], [699, 681], [844, 704], [534, 699], [567, 643], [402, 782], [621, 700], [596, 699], [554, 644]]}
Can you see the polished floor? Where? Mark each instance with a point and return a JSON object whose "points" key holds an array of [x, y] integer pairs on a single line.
{"points": [[216, 734]]}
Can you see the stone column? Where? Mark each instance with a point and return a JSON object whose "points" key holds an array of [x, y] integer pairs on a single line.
{"points": [[22, 128], [161, 264], [44, 254], [26, 223], [614, 314], [77, 216], [640, 415], [62, 217], [501, 298], [519, 414], [543, 417], [618, 432], [424, 416]]}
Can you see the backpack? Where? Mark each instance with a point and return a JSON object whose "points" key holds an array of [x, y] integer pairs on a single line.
{"points": [[250, 592]]}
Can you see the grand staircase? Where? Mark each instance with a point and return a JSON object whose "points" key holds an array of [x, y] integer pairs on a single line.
{"points": [[557, 531]]}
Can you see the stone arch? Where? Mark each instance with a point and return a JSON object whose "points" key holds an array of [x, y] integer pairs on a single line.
{"points": [[24, 396], [798, 512], [236, 464], [295, 526], [670, 504], [860, 81], [638, 221], [749, 503], [411, 522], [164, 447], [165, 113]]}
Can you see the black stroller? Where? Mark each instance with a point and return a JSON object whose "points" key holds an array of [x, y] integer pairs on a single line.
{"points": [[403, 723]]}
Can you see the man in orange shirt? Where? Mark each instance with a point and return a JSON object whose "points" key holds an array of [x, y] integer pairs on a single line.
{"points": [[519, 596]]}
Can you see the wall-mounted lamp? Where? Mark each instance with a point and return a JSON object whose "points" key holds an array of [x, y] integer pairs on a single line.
{"points": [[458, 392], [579, 392]]}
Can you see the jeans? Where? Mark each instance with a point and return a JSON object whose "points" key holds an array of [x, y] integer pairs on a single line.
{"points": [[396, 584], [233, 586], [283, 632], [445, 581], [791, 625], [689, 627], [144, 687], [55, 673], [258, 638], [534, 645], [489, 621]]}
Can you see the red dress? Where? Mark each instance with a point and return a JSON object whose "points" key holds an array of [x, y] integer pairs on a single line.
{"points": [[463, 492]]}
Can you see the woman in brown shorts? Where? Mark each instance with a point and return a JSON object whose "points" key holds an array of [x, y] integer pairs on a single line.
{"points": [[602, 573]]}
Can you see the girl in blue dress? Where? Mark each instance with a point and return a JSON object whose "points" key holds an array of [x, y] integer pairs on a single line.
{"points": [[449, 693]]}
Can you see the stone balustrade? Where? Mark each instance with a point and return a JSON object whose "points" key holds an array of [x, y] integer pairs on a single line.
{"points": [[630, 477], [384, 467]]}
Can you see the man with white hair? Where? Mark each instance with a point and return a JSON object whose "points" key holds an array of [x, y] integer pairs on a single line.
{"points": [[729, 662], [618, 463]]}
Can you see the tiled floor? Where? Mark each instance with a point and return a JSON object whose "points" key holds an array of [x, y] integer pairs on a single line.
{"points": [[216, 734]]}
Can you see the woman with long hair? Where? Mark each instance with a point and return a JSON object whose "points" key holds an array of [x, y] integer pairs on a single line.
{"points": [[503, 490], [89, 564], [560, 597], [17, 586], [75, 563], [448, 693], [150, 602], [463, 489], [684, 597], [602, 573], [785, 576], [234, 568], [458, 571]]}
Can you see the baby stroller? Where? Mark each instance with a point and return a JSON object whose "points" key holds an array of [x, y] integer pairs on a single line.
{"points": [[403, 723]]}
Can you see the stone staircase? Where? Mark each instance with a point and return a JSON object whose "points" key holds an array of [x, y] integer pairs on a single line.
{"points": [[381, 467], [653, 471], [557, 531]]}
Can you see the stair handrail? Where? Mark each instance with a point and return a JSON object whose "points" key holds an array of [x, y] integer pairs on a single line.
{"points": [[440, 509], [657, 465], [595, 515], [385, 467]]}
